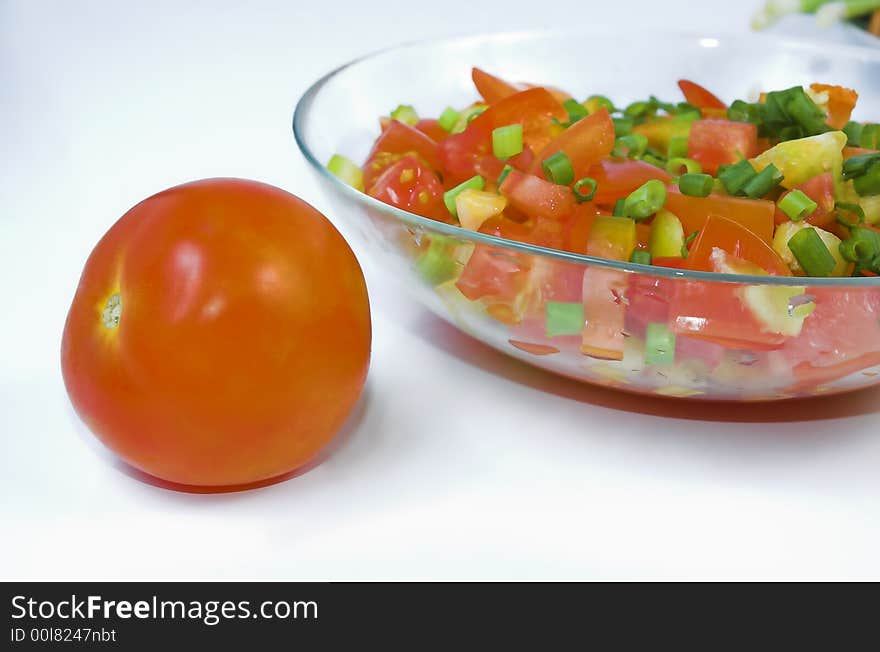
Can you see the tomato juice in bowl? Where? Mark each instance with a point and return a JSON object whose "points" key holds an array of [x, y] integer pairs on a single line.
{"points": [[747, 334]]}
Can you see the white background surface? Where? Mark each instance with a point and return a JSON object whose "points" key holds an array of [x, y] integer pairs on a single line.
{"points": [[460, 463]]}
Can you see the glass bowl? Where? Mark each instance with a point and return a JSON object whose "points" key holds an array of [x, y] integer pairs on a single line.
{"points": [[501, 292]]}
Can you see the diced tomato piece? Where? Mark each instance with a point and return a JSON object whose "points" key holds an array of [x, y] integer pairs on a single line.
{"points": [[400, 138], [604, 293], [737, 241], [502, 227], [617, 179], [493, 272], [460, 153], [809, 377], [713, 142], [408, 184], [432, 129], [376, 165], [715, 312], [844, 325], [648, 302], [523, 160], [586, 142], [534, 109], [547, 232], [756, 215], [491, 88], [558, 93], [841, 102], [578, 228], [699, 96], [490, 168], [537, 197], [821, 190]]}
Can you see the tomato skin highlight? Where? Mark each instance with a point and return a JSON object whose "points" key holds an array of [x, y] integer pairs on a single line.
{"points": [[243, 340]]}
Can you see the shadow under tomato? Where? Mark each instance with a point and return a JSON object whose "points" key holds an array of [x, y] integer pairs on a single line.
{"points": [[339, 440], [444, 336]]}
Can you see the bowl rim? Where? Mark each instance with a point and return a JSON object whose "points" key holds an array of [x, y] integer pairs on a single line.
{"points": [[303, 105]]}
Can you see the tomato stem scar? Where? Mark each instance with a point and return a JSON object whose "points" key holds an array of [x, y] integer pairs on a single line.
{"points": [[112, 311]]}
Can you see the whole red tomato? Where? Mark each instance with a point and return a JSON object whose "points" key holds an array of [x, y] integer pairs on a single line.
{"points": [[220, 334]]}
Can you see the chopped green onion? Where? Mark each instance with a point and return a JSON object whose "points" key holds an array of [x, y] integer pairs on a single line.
{"points": [[437, 264], [347, 171], [619, 208], [696, 185], [861, 247], [504, 172], [558, 169], [797, 205], [736, 176], [477, 183], [675, 165], [659, 345], [688, 111], [448, 118], [741, 111], [584, 189], [859, 165], [622, 126], [564, 318], [656, 103], [687, 241], [678, 147], [653, 160], [870, 136], [630, 146], [645, 200], [763, 182], [640, 256], [792, 132], [850, 208], [405, 114], [811, 252], [806, 113], [474, 114], [869, 183], [507, 141], [576, 110], [637, 109], [465, 117], [853, 131], [600, 101]]}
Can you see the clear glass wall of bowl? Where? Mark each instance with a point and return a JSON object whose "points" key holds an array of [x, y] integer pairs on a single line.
{"points": [[639, 329]]}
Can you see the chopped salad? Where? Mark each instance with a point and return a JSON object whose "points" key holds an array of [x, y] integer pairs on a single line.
{"points": [[790, 179], [786, 185]]}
